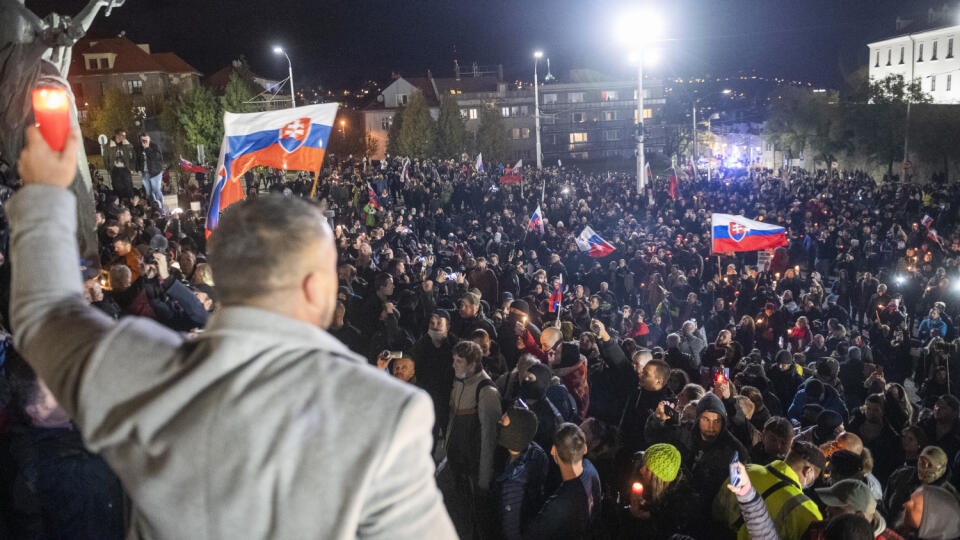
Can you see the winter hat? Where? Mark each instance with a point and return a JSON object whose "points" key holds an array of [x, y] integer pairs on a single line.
{"points": [[845, 464], [854, 354], [827, 423], [663, 460], [814, 389], [519, 431], [938, 463], [521, 305], [784, 357], [443, 314], [569, 354]]}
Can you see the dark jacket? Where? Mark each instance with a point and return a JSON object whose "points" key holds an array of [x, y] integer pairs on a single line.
{"points": [[114, 152], [520, 488], [638, 409], [710, 459], [150, 158], [433, 367], [569, 512], [830, 400], [679, 511]]}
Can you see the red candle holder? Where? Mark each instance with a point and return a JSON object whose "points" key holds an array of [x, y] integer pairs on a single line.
{"points": [[51, 108]]}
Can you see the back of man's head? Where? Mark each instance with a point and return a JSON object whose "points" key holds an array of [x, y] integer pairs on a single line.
{"points": [[571, 444], [848, 527], [268, 245]]}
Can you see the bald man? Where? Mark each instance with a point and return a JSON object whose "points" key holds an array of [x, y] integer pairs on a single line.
{"points": [[265, 426]]}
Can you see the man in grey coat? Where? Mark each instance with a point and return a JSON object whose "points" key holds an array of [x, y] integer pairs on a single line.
{"points": [[264, 426]]}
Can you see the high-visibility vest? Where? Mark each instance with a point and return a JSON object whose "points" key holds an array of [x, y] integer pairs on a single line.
{"points": [[792, 512]]}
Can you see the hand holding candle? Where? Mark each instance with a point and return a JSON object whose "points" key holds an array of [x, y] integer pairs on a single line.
{"points": [[51, 109]]}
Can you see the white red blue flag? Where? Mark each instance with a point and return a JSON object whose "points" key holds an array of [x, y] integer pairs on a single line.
{"points": [[927, 221], [285, 139], [372, 196], [405, 174], [536, 221], [479, 164], [591, 243], [556, 298], [737, 233]]}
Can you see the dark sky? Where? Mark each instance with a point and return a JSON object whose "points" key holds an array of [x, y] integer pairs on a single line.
{"points": [[338, 42]]}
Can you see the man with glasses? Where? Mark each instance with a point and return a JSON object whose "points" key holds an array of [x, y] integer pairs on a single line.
{"points": [[150, 163]]}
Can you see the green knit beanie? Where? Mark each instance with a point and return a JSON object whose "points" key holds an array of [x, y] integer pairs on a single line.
{"points": [[663, 460]]}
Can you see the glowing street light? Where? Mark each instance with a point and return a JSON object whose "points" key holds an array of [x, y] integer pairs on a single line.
{"points": [[637, 30], [293, 97]]}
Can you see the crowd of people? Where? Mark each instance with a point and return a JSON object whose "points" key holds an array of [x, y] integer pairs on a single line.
{"points": [[661, 391]]}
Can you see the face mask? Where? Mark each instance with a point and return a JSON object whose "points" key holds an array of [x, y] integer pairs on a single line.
{"points": [[436, 335]]}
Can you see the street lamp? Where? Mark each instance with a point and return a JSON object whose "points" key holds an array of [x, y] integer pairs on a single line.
{"points": [[293, 97], [537, 55], [637, 30], [343, 124]]}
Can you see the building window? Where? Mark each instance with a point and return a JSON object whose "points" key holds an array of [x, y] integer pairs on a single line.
{"points": [[82, 115], [524, 110], [950, 48], [889, 55], [933, 52], [578, 118], [933, 83], [92, 64], [949, 82], [524, 133], [401, 100], [505, 112], [647, 114], [515, 133], [920, 53], [548, 119], [472, 115], [609, 95], [552, 139], [134, 86], [901, 54], [578, 137], [609, 116], [612, 134], [386, 122], [580, 155], [877, 63], [575, 97], [104, 63], [463, 113], [549, 99]]}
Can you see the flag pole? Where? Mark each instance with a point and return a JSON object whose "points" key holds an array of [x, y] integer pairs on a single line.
{"points": [[313, 190]]}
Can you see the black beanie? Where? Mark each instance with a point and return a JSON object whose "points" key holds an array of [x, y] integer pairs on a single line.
{"points": [[711, 403], [522, 429], [520, 305], [537, 389], [569, 354]]}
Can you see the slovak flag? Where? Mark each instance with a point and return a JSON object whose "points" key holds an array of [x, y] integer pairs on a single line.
{"points": [[479, 164], [649, 172], [285, 139], [188, 166], [536, 221], [372, 196], [927, 221], [405, 174], [556, 298], [591, 242], [737, 233], [673, 185]]}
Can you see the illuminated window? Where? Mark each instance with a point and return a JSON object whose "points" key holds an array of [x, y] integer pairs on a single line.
{"points": [[505, 112], [609, 95], [401, 100], [386, 122], [134, 86], [609, 116], [647, 113], [473, 114], [524, 133], [578, 137], [515, 133]]}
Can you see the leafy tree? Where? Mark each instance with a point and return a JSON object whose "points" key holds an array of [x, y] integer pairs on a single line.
{"points": [[115, 111], [236, 95], [201, 120], [418, 133], [393, 136], [492, 136], [936, 130], [451, 129]]}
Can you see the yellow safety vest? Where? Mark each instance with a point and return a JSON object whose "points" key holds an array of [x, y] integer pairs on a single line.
{"points": [[792, 512]]}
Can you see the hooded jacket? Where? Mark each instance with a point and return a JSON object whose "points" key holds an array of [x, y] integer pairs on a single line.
{"points": [[710, 459], [830, 400], [941, 515]]}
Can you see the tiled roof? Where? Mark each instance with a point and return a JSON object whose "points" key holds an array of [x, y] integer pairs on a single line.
{"points": [[129, 58]]}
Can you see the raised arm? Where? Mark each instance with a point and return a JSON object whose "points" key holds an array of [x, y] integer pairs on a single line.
{"points": [[53, 327]]}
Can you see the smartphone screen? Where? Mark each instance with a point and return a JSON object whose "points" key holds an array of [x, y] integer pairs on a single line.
{"points": [[734, 470]]}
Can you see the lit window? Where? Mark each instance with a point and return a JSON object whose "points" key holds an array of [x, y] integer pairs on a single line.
{"points": [[575, 97], [578, 137], [386, 122], [524, 133], [473, 114], [609, 95], [515, 133], [505, 112], [401, 100], [134, 86], [609, 116], [463, 113]]}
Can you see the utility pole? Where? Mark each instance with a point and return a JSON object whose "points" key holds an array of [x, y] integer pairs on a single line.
{"points": [[536, 106]]}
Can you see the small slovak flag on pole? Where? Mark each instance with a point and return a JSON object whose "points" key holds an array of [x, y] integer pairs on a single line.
{"points": [[536, 221], [479, 164], [372, 196], [590, 242], [556, 298]]}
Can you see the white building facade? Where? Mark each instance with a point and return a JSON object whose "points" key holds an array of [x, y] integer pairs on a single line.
{"points": [[931, 58]]}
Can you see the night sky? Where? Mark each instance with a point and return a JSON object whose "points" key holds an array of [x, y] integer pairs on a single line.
{"points": [[341, 42]]}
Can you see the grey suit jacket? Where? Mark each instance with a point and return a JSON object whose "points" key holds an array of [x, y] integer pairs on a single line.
{"points": [[263, 427]]}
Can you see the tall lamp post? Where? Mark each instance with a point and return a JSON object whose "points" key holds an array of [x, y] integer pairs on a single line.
{"points": [[637, 30], [293, 96], [536, 105]]}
